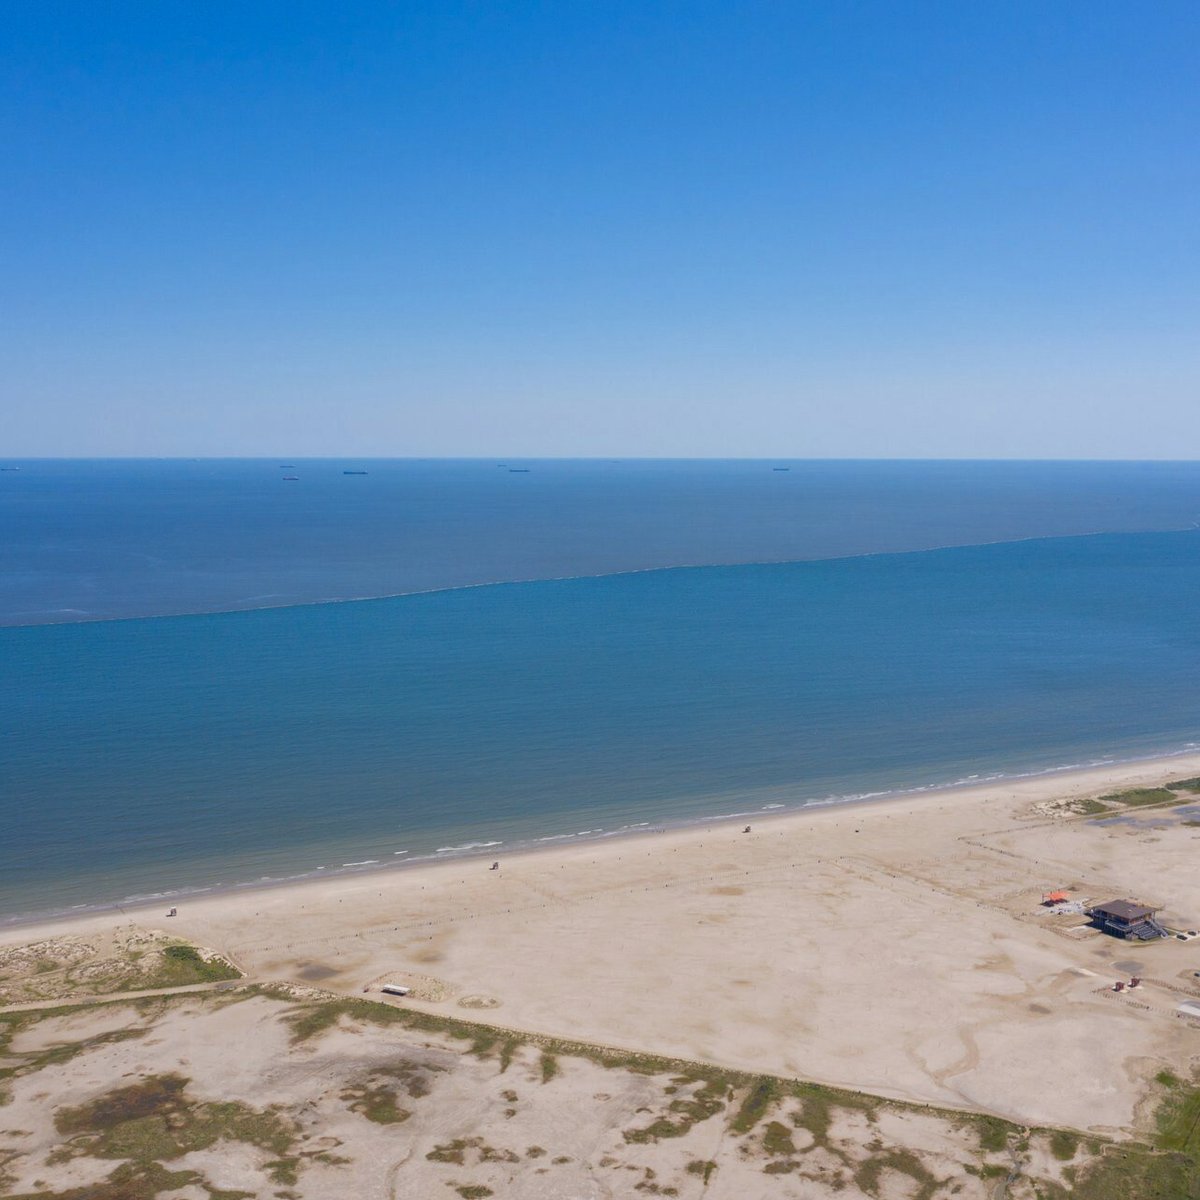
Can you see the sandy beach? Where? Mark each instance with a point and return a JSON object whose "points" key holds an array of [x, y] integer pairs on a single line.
{"points": [[898, 947]]}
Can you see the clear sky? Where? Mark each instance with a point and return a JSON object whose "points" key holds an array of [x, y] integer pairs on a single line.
{"points": [[891, 228]]}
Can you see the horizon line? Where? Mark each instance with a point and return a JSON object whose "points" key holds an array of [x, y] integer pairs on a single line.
{"points": [[601, 458]]}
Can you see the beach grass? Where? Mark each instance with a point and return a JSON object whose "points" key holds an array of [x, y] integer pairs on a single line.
{"points": [[155, 1121], [1179, 1116], [61, 968], [1138, 797], [378, 1102], [182, 965], [1169, 1170]]}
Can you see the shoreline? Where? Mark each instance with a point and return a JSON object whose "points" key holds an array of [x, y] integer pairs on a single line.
{"points": [[894, 946], [1072, 780]]}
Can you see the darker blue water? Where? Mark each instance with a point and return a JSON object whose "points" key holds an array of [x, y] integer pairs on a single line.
{"points": [[86, 540], [149, 755]]}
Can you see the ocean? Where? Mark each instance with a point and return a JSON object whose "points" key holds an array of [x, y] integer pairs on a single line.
{"points": [[161, 754], [94, 540]]}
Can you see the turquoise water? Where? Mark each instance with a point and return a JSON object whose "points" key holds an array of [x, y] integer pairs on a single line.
{"points": [[152, 755]]}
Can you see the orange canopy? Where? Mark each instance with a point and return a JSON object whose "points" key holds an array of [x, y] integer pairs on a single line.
{"points": [[1056, 896]]}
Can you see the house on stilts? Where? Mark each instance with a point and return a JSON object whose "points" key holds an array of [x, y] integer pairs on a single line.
{"points": [[1125, 919]]}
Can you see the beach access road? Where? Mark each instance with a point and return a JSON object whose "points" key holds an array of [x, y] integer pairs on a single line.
{"points": [[110, 997]]}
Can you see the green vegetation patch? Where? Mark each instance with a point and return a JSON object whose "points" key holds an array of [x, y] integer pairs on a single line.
{"points": [[904, 1162], [1136, 797], [993, 1133], [754, 1104], [1185, 785], [377, 1102], [1168, 1170], [1179, 1117], [284, 1170], [777, 1140], [456, 1152], [182, 965], [310, 1019], [137, 1181], [685, 1112], [155, 1120], [1064, 1145], [377, 1095], [817, 1105], [1091, 807], [150, 1097], [507, 1049], [987, 1171], [1130, 1172]]}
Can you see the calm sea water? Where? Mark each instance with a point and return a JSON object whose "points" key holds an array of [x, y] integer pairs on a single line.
{"points": [[87, 540], [150, 755]]}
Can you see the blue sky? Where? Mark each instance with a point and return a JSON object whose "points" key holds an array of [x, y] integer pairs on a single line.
{"points": [[838, 229]]}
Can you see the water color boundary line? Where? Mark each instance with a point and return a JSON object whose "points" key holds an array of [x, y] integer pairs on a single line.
{"points": [[629, 572], [537, 846]]}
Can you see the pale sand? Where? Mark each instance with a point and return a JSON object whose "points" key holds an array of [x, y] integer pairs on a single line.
{"points": [[472, 1124], [895, 947]]}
